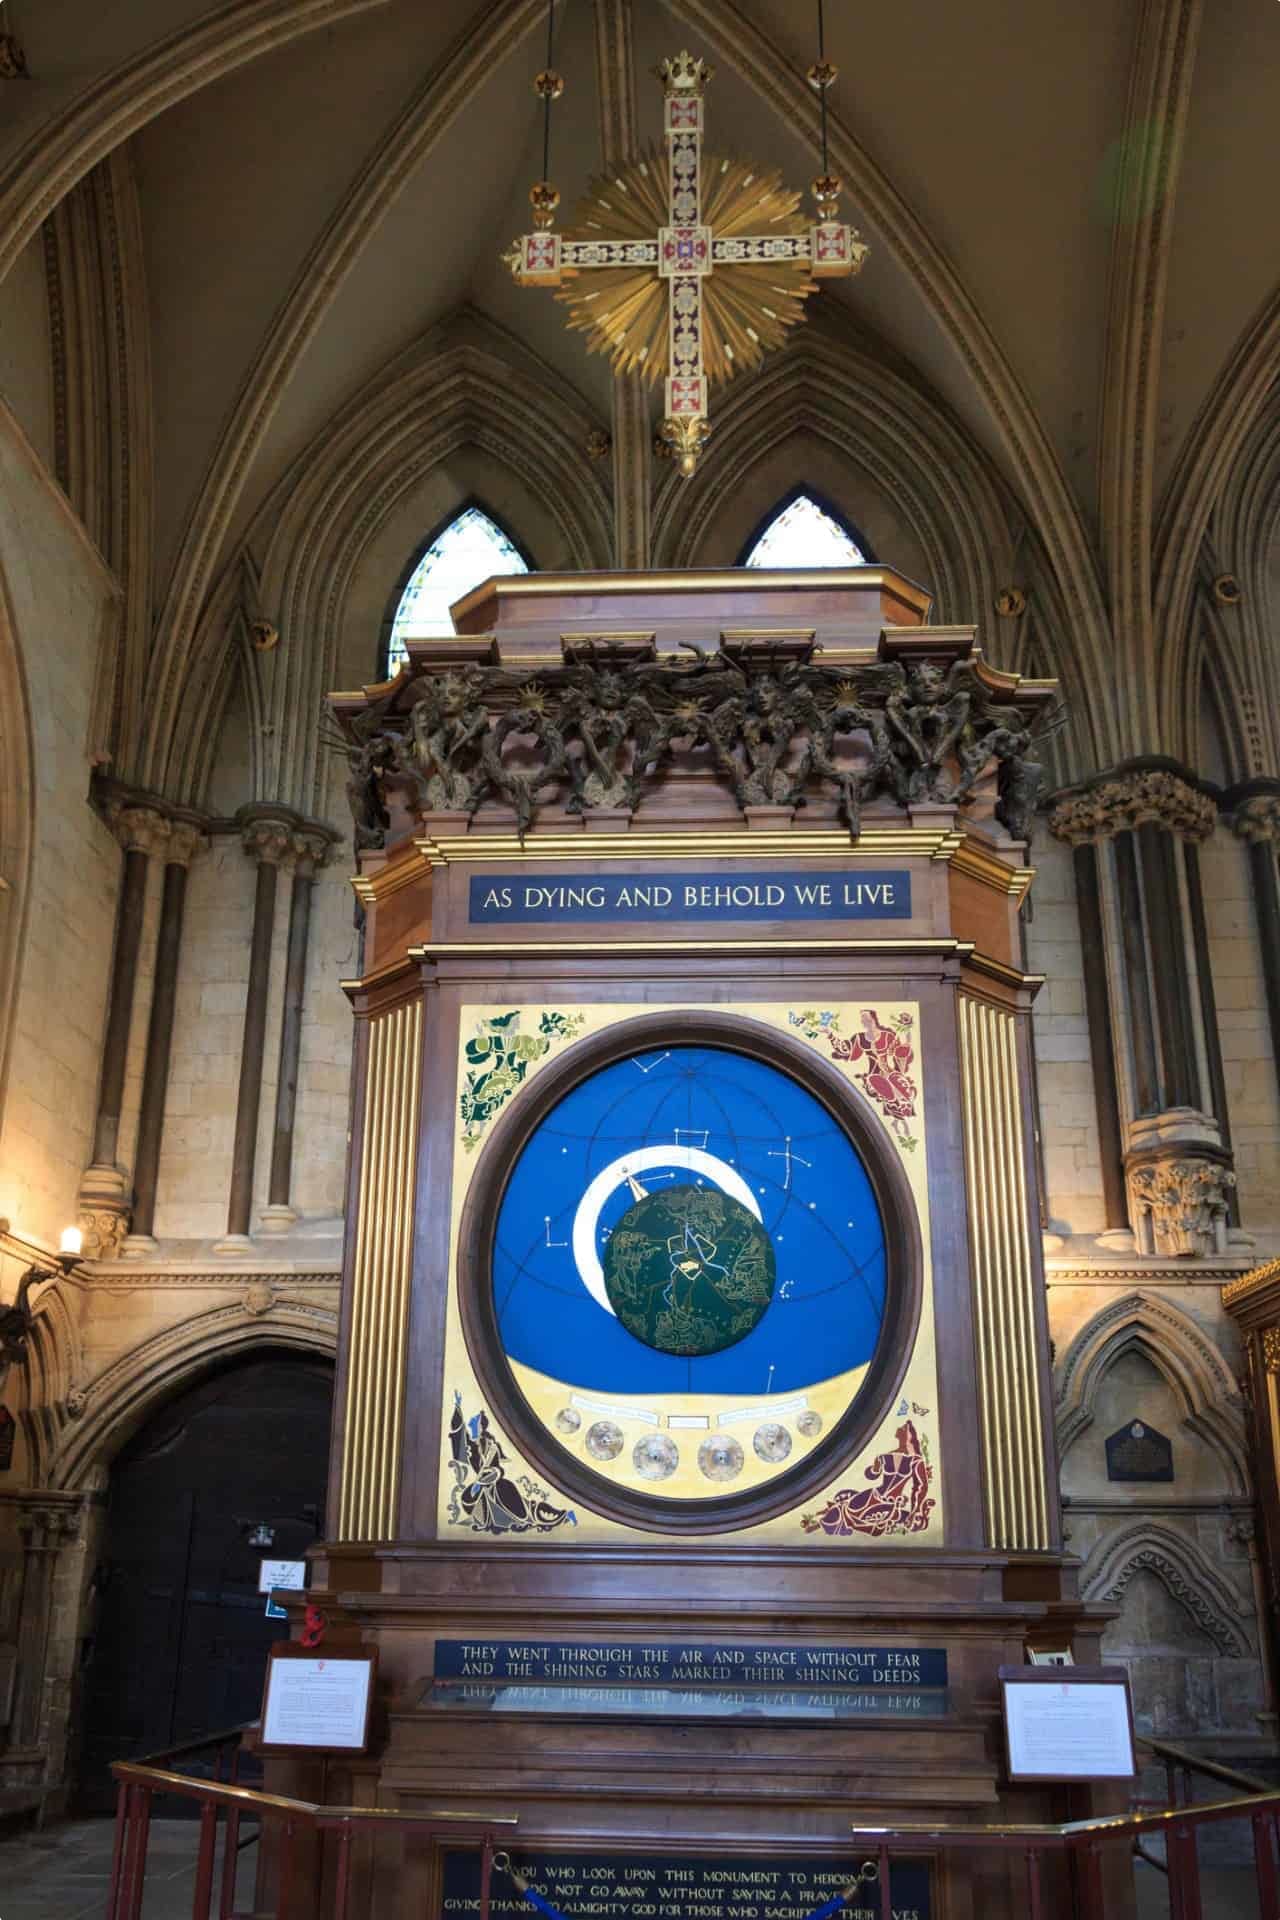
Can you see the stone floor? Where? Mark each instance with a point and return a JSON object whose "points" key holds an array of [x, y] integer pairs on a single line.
{"points": [[62, 1874]]}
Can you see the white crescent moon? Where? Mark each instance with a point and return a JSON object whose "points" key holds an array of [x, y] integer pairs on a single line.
{"points": [[586, 1219]]}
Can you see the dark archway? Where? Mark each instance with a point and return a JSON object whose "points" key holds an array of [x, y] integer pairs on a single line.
{"points": [[179, 1643]]}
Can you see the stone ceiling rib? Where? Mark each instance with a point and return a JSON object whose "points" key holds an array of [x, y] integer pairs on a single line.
{"points": [[737, 41], [1156, 117], [464, 383], [444, 94], [1209, 455], [60, 153]]}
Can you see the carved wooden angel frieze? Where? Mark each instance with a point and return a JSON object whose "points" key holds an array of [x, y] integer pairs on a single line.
{"points": [[597, 732]]}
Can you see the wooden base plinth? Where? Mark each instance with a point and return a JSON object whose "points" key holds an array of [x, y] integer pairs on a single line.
{"points": [[599, 1782]]}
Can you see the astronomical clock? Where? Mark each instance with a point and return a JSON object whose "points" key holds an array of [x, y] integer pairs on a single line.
{"points": [[680, 1289]]}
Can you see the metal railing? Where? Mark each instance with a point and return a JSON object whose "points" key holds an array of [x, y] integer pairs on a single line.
{"points": [[313, 1851], [302, 1829], [1080, 1843]]}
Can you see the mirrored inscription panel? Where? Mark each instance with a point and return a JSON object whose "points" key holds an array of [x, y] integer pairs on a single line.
{"points": [[680, 1703]]}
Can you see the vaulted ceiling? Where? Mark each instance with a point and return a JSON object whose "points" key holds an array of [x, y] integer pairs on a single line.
{"points": [[1071, 214]]}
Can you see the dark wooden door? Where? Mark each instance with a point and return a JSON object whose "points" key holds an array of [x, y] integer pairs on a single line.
{"points": [[181, 1636]]}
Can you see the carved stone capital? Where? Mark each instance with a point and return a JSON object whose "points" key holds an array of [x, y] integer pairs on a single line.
{"points": [[186, 843], [49, 1520], [269, 842], [311, 849], [1179, 1206], [1242, 1531], [139, 829], [1258, 818], [1145, 796], [103, 1230]]}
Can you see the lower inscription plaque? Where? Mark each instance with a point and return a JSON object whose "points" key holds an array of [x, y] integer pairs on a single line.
{"points": [[647, 1887]]}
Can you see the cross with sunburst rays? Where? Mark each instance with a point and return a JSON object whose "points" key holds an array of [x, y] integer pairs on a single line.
{"points": [[710, 253]]}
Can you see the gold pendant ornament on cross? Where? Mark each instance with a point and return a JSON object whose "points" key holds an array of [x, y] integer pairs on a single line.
{"points": [[718, 281]]}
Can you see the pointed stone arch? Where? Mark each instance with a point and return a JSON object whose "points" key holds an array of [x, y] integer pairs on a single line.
{"points": [[62, 150], [1210, 452], [465, 384], [113, 1405], [740, 43], [472, 504], [827, 384], [445, 92], [49, 1372], [1195, 1371], [1180, 1566]]}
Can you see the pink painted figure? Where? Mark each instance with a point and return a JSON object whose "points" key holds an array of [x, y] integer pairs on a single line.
{"points": [[888, 1053], [901, 1503]]}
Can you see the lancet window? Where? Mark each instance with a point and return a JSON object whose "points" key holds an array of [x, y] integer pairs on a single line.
{"points": [[470, 548], [802, 532]]}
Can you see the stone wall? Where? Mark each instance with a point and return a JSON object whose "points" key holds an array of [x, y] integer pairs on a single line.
{"points": [[26, 361], [61, 601], [1068, 1116], [1248, 1062]]}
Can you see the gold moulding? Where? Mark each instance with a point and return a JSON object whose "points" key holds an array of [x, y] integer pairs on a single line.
{"points": [[1012, 1419], [875, 843], [1254, 1282], [372, 1437]]}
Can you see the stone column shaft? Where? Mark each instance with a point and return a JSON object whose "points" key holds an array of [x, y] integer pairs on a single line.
{"points": [[1209, 1011], [1102, 1058], [1146, 1065], [1266, 906], [279, 1214], [269, 841], [253, 1045], [103, 1199], [1180, 1077], [1172, 1125], [124, 973], [182, 846], [291, 1036], [47, 1523]]}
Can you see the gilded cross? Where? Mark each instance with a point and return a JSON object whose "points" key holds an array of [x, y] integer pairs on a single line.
{"points": [[683, 254]]}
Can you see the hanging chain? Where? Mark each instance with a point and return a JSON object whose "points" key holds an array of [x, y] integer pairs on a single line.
{"points": [[548, 85], [822, 76]]}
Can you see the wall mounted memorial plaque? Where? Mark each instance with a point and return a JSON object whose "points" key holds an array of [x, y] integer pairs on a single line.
{"points": [[1138, 1452]]}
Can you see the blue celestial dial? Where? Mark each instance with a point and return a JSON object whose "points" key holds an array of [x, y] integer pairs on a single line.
{"points": [[689, 1269]]}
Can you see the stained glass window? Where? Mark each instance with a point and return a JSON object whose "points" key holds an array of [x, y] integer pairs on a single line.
{"points": [[472, 548], [803, 534]]}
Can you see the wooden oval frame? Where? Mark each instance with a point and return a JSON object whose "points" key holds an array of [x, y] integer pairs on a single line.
{"points": [[904, 1278]]}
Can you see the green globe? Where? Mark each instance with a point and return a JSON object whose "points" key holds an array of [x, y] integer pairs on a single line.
{"points": [[689, 1270]]}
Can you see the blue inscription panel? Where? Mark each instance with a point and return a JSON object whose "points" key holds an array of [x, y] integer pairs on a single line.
{"points": [[501, 899], [638, 1886], [625, 1662]]}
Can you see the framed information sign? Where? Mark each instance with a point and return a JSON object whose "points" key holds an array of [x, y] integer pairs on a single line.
{"points": [[319, 1701], [1067, 1723]]}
